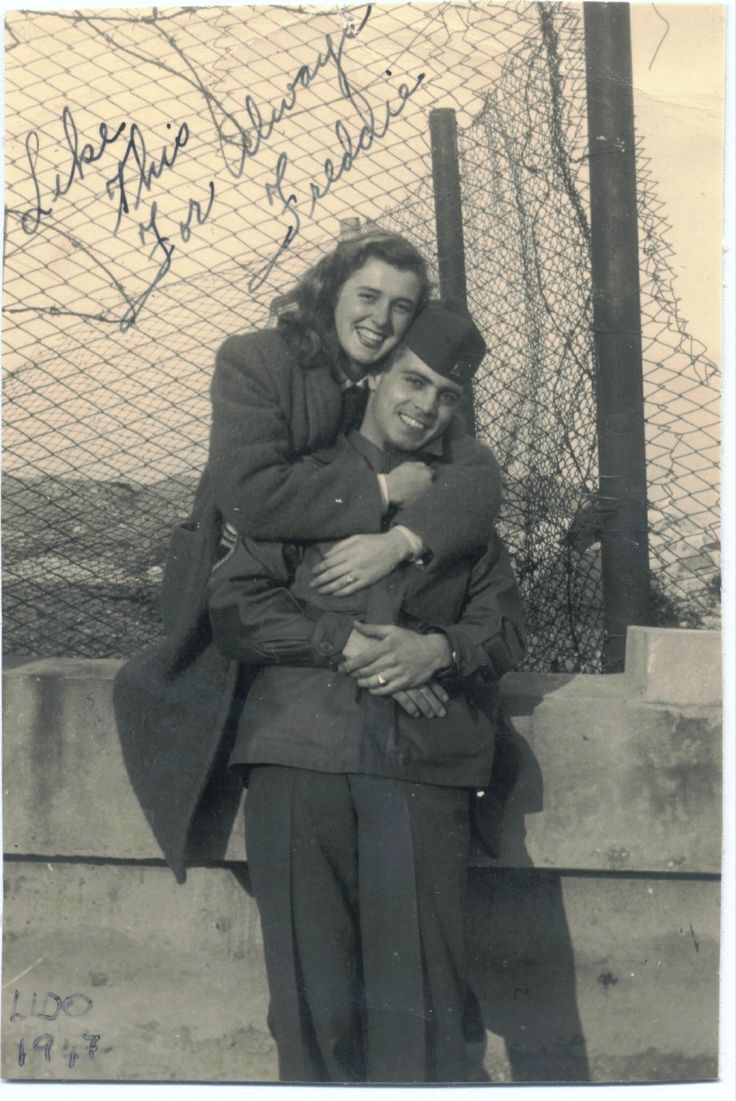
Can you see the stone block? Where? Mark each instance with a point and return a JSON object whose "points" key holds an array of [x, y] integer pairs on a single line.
{"points": [[675, 666], [66, 791], [609, 781]]}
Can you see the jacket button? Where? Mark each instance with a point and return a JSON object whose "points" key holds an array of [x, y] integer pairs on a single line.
{"points": [[325, 647]]}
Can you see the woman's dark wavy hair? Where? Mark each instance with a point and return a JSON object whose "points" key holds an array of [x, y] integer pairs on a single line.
{"points": [[305, 316]]}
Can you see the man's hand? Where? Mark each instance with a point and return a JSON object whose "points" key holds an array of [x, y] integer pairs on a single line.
{"points": [[397, 659], [428, 700], [356, 645], [354, 563], [407, 482]]}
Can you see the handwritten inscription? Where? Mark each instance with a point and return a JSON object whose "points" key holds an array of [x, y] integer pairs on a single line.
{"points": [[134, 181], [135, 175], [148, 169], [59, 1010], [195, 214], [286, 199], [87, 155], [247, 141]]}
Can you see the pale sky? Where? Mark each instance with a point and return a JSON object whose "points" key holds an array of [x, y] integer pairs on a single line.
{"points": [[679, 74]]}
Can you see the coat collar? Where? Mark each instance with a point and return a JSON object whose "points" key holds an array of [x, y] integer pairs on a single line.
{"points": [[377, 457]]}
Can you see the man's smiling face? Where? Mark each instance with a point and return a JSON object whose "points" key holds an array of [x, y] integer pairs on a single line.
{"points": [[410, 404]]}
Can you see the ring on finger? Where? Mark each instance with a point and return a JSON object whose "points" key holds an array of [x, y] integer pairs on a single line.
{"points": [[350, 578], [382, 682]]}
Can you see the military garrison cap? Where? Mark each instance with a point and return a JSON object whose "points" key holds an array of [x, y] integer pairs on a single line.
{"points": [[447, 340]]}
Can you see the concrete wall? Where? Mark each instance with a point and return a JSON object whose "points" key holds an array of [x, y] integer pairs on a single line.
{"points": [[594, 934]]}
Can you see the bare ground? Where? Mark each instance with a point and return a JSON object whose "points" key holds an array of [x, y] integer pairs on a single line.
{"points": [[82, 564]]}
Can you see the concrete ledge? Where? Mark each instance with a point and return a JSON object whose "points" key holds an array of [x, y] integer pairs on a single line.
{"points": [[597, 775], [674, 666]]}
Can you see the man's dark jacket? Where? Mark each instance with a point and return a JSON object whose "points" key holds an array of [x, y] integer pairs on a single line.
{"points": [[300, 712], [177, 703]]}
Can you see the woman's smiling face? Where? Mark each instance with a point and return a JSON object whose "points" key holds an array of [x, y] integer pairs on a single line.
{"points": [[374, 308]]}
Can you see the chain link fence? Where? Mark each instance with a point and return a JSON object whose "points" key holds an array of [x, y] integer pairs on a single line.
{"points": [[130, 256]]}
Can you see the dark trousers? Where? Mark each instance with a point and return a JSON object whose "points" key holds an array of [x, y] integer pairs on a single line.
{"points": [[361, 887]]}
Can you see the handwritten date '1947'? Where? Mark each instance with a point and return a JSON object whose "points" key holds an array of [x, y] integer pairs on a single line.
{"points": [[55, 1011]]}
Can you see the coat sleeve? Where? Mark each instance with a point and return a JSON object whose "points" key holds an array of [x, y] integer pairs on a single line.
{"points": [[256, 620], [488, 639], [258, 481], [455, 516]]}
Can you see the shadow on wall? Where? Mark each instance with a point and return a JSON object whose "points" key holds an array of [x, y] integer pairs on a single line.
{"points": [[521, 958]]}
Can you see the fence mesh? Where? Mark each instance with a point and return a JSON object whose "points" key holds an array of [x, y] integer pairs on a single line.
{"points": [[129, 258]]}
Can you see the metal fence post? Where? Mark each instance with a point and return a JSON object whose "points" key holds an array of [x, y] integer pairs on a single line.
{"points": [[617, 325], [449, 221]]}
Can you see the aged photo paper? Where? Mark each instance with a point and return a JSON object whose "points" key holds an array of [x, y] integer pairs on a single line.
{"points": [[169, 174]]}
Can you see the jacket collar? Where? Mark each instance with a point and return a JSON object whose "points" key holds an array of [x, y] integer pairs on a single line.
{"points": [[435, 449]]}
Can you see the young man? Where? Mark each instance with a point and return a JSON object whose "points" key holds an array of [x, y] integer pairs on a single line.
{"points": [[363, 738]]}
